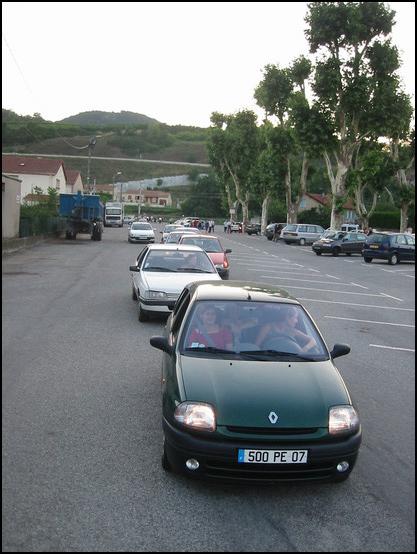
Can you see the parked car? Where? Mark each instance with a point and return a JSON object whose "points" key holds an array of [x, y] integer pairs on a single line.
{"points": [[301, 233], [212, 245], [237, 410], [162, 271], [253, 228], [393, 247], [236, 227], [339, 242], [141, 231], [269, 230]]}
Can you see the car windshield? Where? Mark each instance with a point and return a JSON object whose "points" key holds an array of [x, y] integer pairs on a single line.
{"points": [[249, 330], [140, 227], [178, 261], [335, 235], [209, 245], [169, 228]]}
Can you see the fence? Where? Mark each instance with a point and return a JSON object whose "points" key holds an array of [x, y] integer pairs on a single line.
{"points": [[41, 225]]}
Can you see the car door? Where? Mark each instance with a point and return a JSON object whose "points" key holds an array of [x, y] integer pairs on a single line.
{"points": [[137, 275], [402, 247], [412, 247], [348, 243]]}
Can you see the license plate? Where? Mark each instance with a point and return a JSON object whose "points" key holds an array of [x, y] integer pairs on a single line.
{"points": [[375, 246], [246, 456]]}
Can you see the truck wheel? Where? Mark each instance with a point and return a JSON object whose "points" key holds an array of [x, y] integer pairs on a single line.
{"points": [[142, 314]]}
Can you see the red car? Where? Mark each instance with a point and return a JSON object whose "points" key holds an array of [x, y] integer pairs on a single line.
{"points": [[214, 249]]}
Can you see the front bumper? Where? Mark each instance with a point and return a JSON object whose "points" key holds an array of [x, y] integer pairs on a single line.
{"points": [[161, 306], [141, 239], [218, 458]]}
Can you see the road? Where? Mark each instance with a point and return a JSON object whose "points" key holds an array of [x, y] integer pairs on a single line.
{"points": [[82, 410]]}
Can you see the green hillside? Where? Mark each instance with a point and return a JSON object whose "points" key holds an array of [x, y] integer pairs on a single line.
{"points": [[108, 118]]}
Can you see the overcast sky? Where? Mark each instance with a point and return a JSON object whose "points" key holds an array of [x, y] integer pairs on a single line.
{"points": [[174, 61]]}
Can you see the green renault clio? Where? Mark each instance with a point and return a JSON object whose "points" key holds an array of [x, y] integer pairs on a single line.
{"points": [[250, 391]]}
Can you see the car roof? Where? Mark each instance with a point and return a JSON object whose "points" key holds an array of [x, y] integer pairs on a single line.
{"points": [[240, 290], [180, 247], [205, 236]]}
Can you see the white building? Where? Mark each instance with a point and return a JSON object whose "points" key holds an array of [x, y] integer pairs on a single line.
{"points": [[10, 206]]}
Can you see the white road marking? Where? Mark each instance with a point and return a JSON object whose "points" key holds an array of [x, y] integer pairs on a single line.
{"points": [[349, 261], [394, 297], [309, 281], [368, 321], [392, 347], [277, 272], [352, 304], [332, 276], [356, 285], [336, 291]]}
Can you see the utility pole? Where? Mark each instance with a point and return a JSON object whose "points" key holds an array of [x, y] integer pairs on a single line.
{"points": [[91, 146]]}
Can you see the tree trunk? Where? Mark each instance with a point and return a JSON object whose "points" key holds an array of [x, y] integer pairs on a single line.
{"points": [[292, 208], [264, 216], [404, 216], [338, 185]]}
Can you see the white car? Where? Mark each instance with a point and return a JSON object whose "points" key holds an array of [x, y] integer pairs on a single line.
{"points": [[140, 231], [162, 271]]}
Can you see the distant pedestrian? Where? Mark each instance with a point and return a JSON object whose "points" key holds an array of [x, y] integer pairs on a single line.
{"points": [[225, 226], [277, 232], [207, 226], [211, 226], [229, 226]]}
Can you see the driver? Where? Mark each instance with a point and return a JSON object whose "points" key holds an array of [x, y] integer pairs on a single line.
{"points": [[285, 323]]}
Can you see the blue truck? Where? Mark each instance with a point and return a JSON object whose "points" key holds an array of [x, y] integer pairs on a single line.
{"points": [[83, 214]]}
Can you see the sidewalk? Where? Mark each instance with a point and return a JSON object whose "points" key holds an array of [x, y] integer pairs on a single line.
{"points": [[8, 246]]}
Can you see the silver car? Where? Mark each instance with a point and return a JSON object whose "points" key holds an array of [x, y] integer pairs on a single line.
{"points": [[162, 271], [301, 233]]}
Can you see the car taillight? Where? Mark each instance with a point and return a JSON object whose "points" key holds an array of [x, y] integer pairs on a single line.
{"points": [[225, 263]]}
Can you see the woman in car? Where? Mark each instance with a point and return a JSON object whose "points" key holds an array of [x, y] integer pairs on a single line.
{"points": [[209, 332], [284, 325]]}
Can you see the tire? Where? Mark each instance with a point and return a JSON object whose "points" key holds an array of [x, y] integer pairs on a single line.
{"points": [[166, 466], [348, 253], [134, 295], [367, 260], [336, 251], [287, 242], [394, 259], [269, 238], [318, 253], [302, 242], [142, 314]]}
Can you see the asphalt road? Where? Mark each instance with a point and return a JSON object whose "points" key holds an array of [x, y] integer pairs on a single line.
{"points": [[82, 411]]}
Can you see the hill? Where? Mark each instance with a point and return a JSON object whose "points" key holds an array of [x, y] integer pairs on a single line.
{"points": [[108, 118]]}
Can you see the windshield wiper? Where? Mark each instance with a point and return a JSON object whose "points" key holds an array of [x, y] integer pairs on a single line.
{"points": [[211, 349], [192, 270], [262, 354], [158, 269]]}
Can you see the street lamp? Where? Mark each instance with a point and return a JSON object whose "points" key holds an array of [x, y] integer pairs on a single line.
{"points": [[114, 176]]}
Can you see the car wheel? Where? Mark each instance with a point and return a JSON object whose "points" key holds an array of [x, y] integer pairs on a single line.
{"points": [[302, 242], [287, 242], [368, 260], [348, 253], [393, 259], [166, 466], [142, 314], [269, 238], [318, 253], [336, 251], [134, 295]]}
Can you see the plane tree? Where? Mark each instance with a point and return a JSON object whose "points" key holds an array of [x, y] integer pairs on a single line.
{"points": [[351, 77]]}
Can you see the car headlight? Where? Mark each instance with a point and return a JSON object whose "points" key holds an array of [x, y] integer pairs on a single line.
{"points": [[156, 294], [197, 415], [343, 419]]}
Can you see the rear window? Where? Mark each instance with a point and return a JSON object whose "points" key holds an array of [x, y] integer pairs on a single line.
{"points": [[140, 227], [209, 245], [378, 239]]}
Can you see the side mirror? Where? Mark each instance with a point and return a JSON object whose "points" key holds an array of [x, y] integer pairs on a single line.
{"points": [[228, 251], [340, 350], [134, 268], [161, 343]]}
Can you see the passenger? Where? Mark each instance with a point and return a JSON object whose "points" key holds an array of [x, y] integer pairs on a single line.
{"points": [[285, 324], [238, 321], [209, 332]]}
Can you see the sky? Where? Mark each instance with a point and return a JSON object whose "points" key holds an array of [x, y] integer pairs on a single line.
{"points": [[176, 62]]}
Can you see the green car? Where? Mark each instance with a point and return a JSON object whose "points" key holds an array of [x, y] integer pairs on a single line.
{"points": [[250, 391]]}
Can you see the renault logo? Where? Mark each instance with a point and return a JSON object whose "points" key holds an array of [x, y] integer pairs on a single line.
{"points": [[273, 418]]}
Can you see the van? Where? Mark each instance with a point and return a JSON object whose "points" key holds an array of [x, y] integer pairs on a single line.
{"points": [[350, 227], [301, 233]]}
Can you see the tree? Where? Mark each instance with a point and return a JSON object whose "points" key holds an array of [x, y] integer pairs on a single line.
{"points": [[159, 182], [233, 150], [350, 77]]}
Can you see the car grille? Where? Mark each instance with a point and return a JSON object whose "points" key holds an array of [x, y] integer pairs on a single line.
{"points": [[226, 470], [272, 431]]}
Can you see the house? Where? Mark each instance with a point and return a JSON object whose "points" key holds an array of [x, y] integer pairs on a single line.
{"points": [[35, 173], [148, 197], [310, 200], [74, 181], [10, 206]]}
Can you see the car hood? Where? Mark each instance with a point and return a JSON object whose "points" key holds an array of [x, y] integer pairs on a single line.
{"points": [[244, 393], [174, 282], [141, 232]]}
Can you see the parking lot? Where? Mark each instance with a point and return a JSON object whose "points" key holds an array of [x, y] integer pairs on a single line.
{"points": [[82, 415]]}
